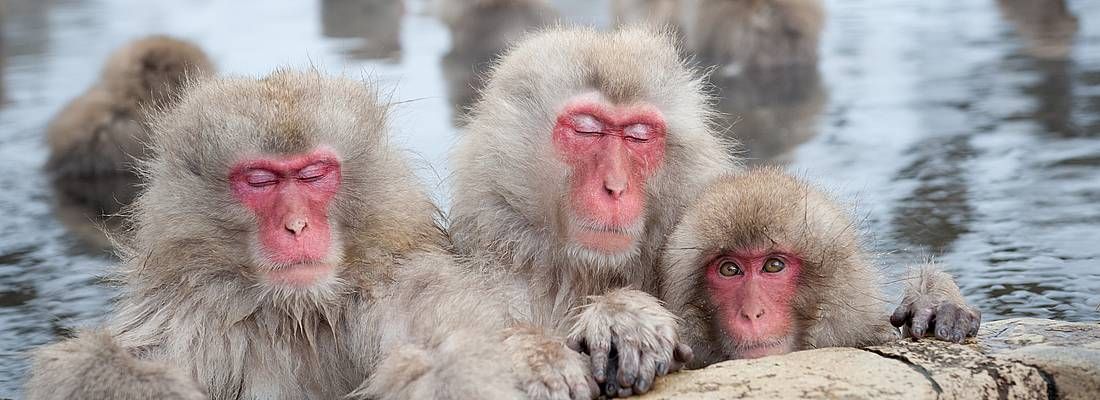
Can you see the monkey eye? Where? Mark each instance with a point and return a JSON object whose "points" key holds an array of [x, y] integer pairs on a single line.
{"points": [[638, 132], [312, 173], [773, 265], [729, 268], [587, 125], [261, 178]]}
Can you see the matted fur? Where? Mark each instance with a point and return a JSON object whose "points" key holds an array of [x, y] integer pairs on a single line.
{"points": [[191, 297], [839, 300]]}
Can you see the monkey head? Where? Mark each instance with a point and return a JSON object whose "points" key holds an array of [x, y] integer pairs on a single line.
{"points": [[579, 144], [283, 187], [755, 257]]}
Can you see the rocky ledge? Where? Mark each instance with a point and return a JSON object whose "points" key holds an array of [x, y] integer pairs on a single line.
{"points": [[1022, 358]]}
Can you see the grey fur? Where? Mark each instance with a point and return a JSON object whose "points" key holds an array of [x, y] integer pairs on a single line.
{"points": [[840, 300], [192, 301], [509, 190]]}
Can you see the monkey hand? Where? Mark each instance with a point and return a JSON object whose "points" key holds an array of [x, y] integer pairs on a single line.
{"points": [[94, 366], [934, 305], [547, 368], [631, 339]]}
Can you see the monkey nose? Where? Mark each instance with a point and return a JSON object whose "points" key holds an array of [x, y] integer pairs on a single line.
{"points": [[752, 314], [615, 186], [296, 225]]}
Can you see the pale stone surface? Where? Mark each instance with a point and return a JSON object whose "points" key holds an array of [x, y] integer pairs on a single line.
{"points": [[962, 372], [1022, 358], [835, 373]]}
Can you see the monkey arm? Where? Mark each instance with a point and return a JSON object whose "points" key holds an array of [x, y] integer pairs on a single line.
{"points": [[631, 338], [94, 366], [933, 304], [435, 334]]}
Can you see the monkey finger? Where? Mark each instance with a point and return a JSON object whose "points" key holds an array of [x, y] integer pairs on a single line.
{"points": [[946, 317], [599, 353], [901, 315], [975, 322], [683, 354], [629, 359], [647, 372], [918, 326], [611, 386]]}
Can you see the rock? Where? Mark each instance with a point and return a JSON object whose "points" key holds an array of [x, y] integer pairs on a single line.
{"points": [[1021, 358], [823, 373]]}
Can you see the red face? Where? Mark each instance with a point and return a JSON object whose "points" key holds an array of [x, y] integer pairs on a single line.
{"points": [[290, 198], [752, 291], [612, 150]]}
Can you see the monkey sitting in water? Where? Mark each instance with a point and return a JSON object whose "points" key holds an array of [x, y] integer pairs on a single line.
{"points": [[766, 264], [94, 140]]}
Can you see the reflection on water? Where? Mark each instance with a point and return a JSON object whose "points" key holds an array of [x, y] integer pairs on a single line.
{"points": [[967, 131]]}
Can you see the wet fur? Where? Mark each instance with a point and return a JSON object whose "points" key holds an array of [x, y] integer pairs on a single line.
{"points": [[191, 299]]}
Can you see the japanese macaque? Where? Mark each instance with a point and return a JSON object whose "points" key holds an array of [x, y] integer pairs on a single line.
{"points": [[96, 138], [658, 12], [1047, 27], [740, 35], [283, 249], [763, 263], [765, 54], [575, 164], [480, 31], [376, 22]]}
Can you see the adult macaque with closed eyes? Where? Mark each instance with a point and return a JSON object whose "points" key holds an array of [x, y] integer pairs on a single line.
{"points": [[573, 168], [765, 264], [283, 249]]}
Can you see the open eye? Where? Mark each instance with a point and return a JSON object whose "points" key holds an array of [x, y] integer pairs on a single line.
{"points": [[773, 265], [638, 132], [729, 268], [585, 124], [313, 172], [261, 178]]}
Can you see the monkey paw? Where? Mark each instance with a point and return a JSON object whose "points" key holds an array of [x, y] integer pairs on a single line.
{"points": [[547, 368], [631, 339], [946, 320]]}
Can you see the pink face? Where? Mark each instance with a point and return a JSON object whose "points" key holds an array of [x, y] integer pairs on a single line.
{"points": [[752, 291], [612, 150], [290, 196]]}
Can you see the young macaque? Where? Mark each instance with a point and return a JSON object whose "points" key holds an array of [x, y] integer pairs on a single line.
{"points": [[283, 248], [96, 138], [743, 35], [480, 31], [763, 263], [575, 164]]}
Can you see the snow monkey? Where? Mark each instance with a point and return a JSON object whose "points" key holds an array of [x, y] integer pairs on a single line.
{"points": [[283, 248], [94, 140], [574, 165], [764, 263]]}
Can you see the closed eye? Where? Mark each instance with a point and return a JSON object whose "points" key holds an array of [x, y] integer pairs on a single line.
{"points": [[261, 178], [313, 172], [639, 133]]}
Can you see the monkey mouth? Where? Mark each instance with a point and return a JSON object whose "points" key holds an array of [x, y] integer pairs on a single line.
{"points": [[301, 275], [763, 348], [604, 238]]}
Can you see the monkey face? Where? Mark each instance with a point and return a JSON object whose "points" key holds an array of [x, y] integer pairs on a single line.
{"points": [[289, 197], [611, 151], [752, 291]]}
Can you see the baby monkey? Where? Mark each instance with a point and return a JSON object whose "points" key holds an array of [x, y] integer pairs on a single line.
{"points": [[764, 263]]}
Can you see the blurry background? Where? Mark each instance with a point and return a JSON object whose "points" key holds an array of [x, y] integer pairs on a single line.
{"points": [[965, 130]]}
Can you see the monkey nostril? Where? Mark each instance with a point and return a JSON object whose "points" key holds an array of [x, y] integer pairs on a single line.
{"points": [[296, 226], [614, 189]]}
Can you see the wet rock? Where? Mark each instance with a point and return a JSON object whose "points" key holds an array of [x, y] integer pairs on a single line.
{"points": [[1024, 358]]}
